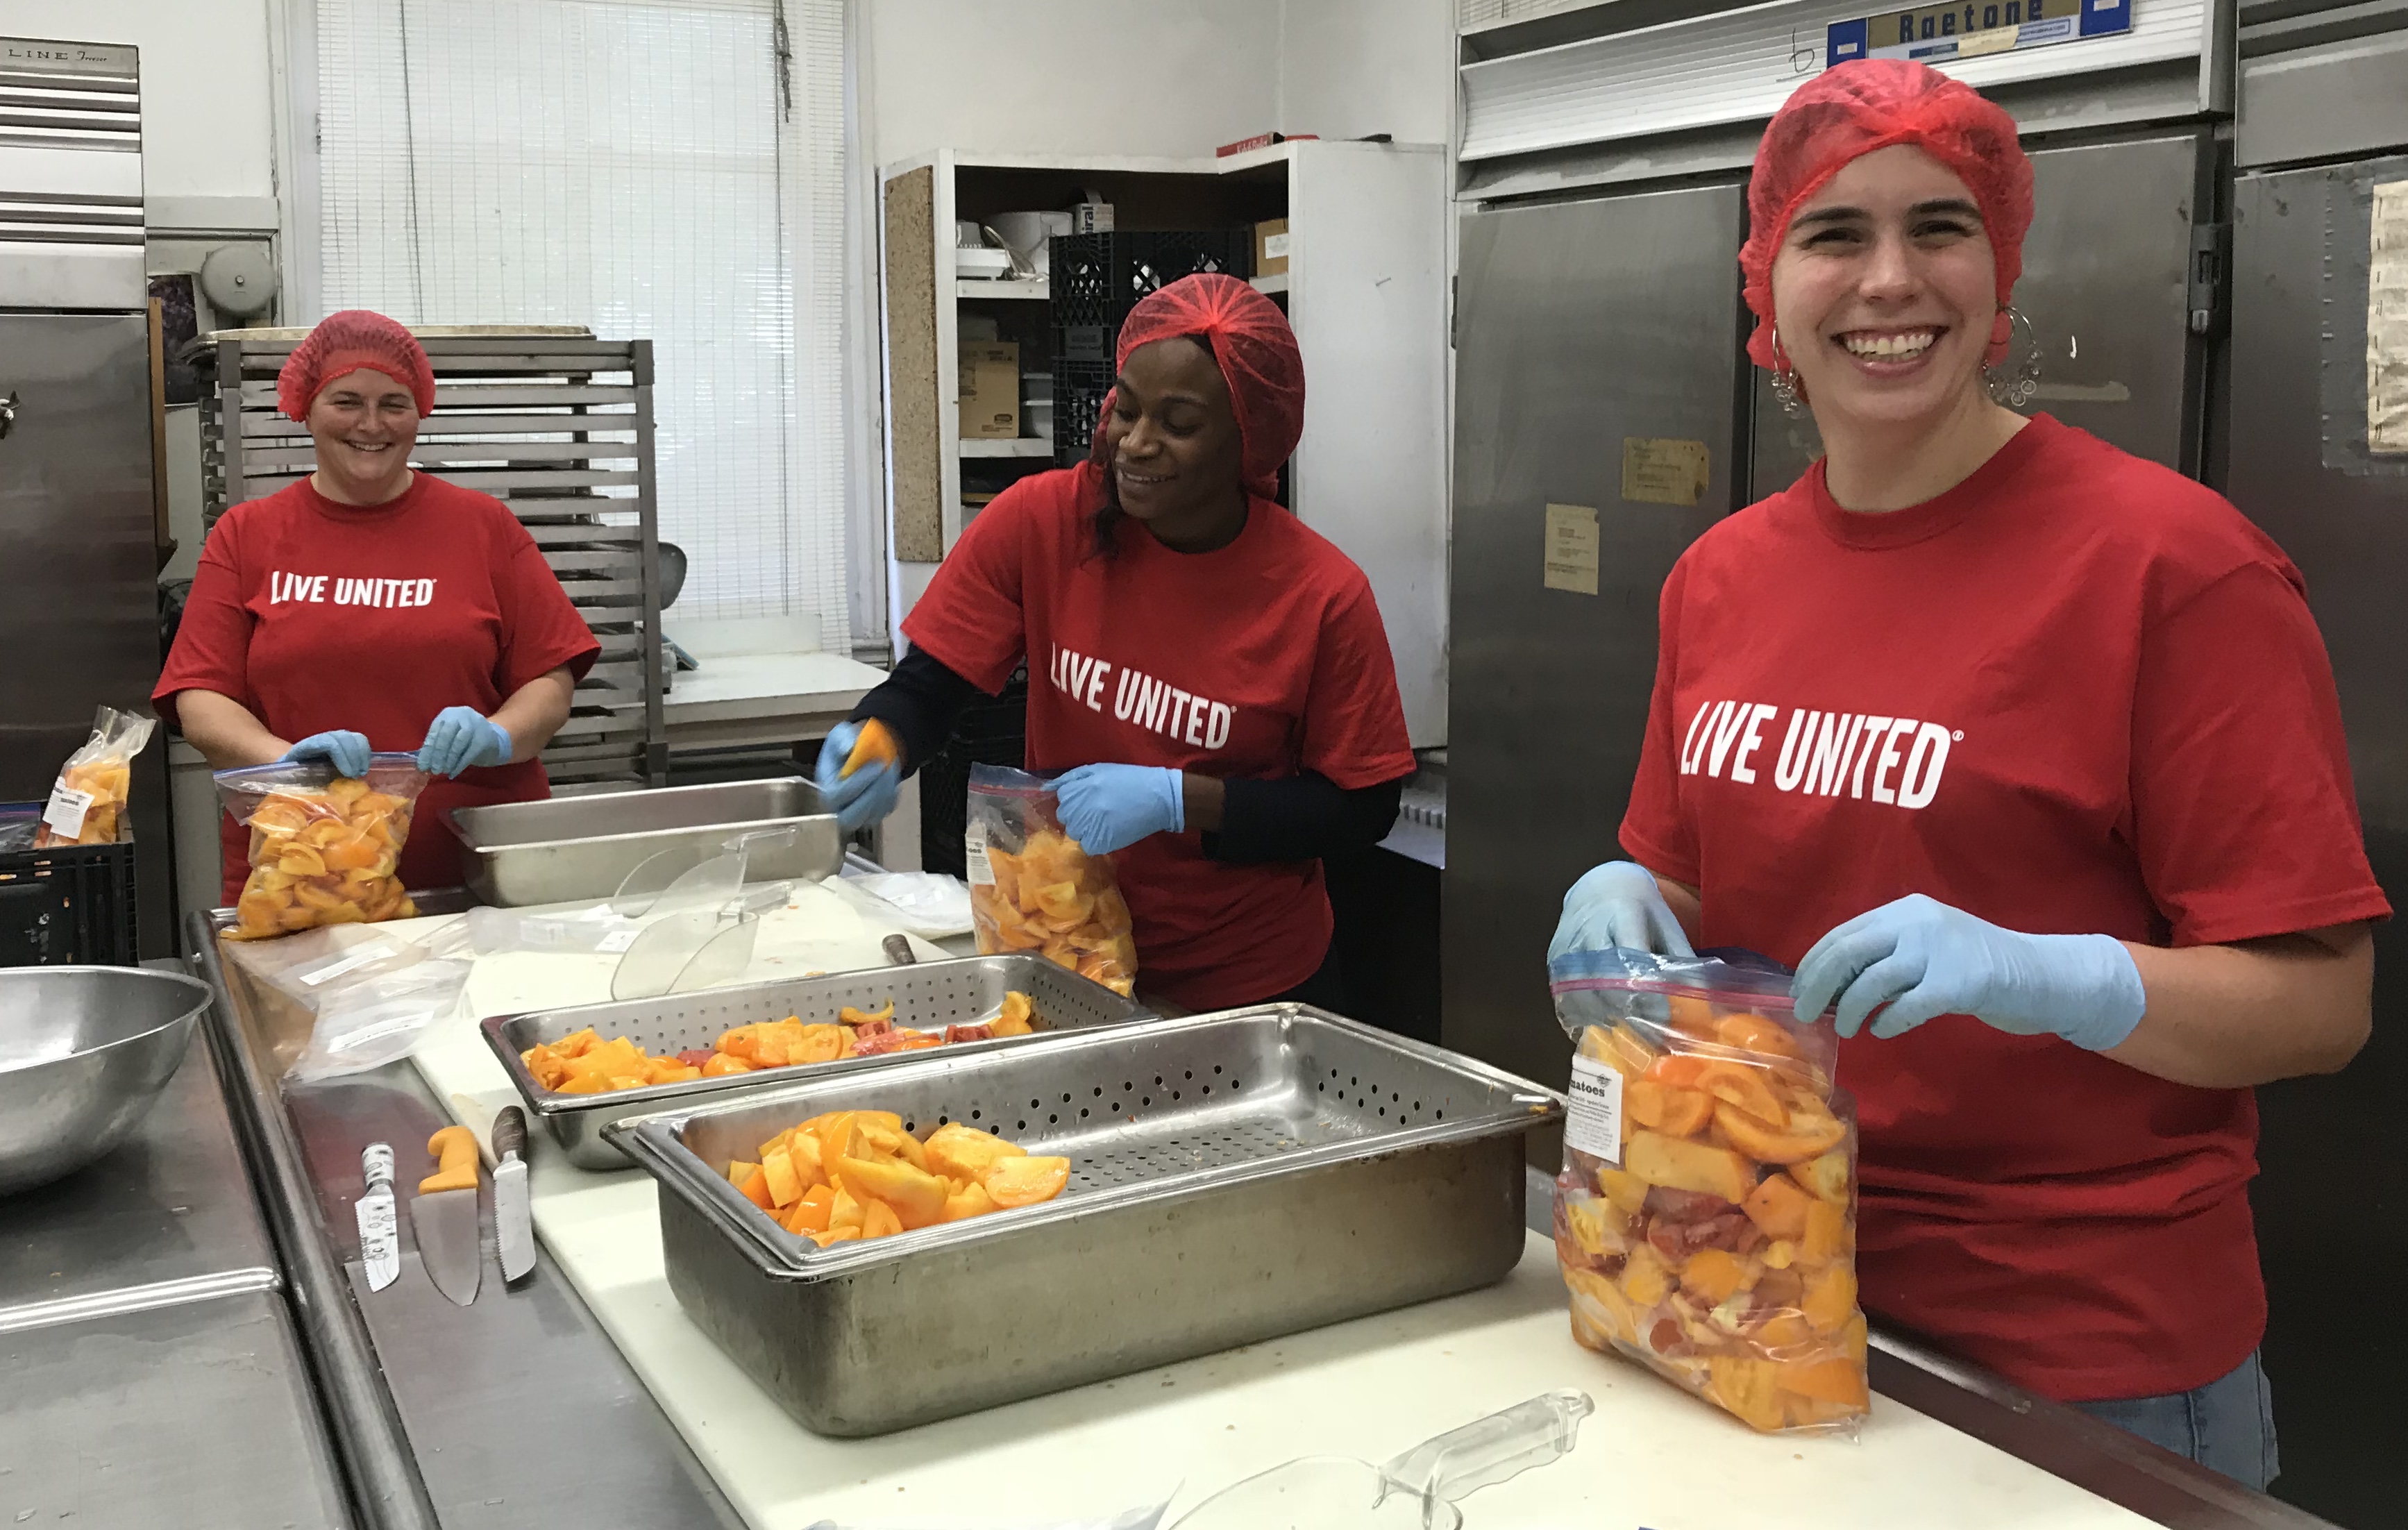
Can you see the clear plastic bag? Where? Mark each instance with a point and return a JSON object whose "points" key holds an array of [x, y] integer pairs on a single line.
{"points": [[372, 993], [929, 904], [325, 849], [1033, 889], [87, 806], [20, 823], [1705, 1217]]}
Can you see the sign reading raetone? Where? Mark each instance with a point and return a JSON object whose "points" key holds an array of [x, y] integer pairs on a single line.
{"points": [[1970, 28]]}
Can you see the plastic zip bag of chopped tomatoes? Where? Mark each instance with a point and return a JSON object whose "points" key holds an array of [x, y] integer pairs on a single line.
{"points": [[1705, 1216], [325, 849], [87, 805], [1034, 889]]}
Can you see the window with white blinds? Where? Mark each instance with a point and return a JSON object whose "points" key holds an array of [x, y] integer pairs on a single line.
{"points": [[670, 170]]}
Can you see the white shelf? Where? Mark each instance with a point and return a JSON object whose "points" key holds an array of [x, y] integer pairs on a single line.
{"points": [[1272, 284], [975, 287], [1023, 446]]}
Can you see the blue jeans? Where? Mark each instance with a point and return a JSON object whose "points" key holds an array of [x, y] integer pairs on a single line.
{"points": [[2226, 1425]]}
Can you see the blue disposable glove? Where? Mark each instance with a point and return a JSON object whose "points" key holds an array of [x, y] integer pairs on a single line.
{"points": [[340, 747], [346, 750], [460, 739], [1618, 904], [1922, 958], [1106, 808], [863, 798]]}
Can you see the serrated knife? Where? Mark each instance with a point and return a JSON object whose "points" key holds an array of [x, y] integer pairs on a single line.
{"points": [[513, 1221], [380, 1226], [443, 1214]]}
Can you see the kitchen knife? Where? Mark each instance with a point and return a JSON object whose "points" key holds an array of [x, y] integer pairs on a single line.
{"points": [[513, 1227], [379, 1230], [444, 1215]]}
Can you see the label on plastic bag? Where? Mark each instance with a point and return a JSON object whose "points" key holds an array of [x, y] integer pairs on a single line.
{"points": [[616, 942], [68, 806], [329, 971], [1594, 1123], [982, 870]]}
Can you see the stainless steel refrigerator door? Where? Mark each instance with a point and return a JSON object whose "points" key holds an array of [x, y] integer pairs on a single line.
{"points": [[1580, 327], [2329, 1223], [81, 620], [2106, 286]]}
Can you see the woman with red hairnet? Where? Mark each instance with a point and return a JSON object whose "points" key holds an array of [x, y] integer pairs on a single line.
{"points": [[1212, 675], [370, 607], [2027, 753]]}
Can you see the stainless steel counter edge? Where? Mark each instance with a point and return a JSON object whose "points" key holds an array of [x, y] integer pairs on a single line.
{"points": [[2123, 1468], [386, 1489]]}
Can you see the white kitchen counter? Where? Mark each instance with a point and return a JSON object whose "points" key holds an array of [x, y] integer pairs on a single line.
{"points": [[1650, 1456], [762, 681]]}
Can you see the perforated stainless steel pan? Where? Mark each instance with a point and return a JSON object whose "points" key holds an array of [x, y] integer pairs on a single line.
{"points": [[1234, 1177], [928, 996]]}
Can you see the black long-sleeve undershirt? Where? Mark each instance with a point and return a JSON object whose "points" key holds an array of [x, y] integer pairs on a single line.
{"points": [[1298, 817]]}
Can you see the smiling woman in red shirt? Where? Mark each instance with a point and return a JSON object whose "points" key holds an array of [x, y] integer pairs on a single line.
{"points": [[2028, 752], [1212, 675], [370, 607]]}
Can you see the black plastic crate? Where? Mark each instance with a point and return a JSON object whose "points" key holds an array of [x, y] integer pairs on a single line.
{"points": [[70, 904], [1079, 389], [1096, 279], [988, 732]]}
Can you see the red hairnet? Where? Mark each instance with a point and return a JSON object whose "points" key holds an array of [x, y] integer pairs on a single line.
{"points": [[1865, 105], [1251, 339], [342, 344]]}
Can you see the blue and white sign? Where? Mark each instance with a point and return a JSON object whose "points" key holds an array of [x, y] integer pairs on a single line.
{"points": [[1935, 33]]}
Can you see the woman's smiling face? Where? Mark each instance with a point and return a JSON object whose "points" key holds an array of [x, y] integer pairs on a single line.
{"points": [[1884, 291]]}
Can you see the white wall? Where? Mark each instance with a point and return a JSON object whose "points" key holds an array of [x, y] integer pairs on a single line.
{"points": [[1350, 68], [1070, 76], [206, 103]]}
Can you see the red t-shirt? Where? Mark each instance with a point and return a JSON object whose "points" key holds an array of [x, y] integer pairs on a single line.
{"points": [[2076, 694], [316, 615], [1255, 662]]}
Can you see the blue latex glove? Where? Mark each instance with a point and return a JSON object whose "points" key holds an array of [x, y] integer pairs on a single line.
{"points": [[462, 738], [1618, 904], [1922, 958], [1111, 807], [861, 798], [346, 750]]}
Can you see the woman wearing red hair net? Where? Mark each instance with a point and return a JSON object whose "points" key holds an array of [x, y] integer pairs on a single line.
{"points": [[370, 607], [2027, 753], [1212, 675]]}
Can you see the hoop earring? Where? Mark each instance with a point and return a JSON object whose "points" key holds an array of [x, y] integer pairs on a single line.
{"points": [[2015, 388], [1785, 380]]}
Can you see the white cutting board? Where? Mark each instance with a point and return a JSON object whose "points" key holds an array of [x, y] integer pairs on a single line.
{"points": [[1650, 1456]]}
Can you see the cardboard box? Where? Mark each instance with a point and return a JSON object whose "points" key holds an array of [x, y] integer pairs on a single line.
{"points": [[990, 382], [1271, 248]]}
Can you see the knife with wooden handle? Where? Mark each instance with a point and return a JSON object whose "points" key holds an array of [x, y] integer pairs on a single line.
{"points": [[513, 1220], [444, 1215]]}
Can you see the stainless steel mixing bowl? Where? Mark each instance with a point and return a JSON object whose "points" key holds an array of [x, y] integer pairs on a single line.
{"points": [[84, 1052]]}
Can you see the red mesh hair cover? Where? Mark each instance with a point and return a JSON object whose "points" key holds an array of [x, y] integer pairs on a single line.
{"points": [[342, 344], [1869, 104], [1251, 339]]}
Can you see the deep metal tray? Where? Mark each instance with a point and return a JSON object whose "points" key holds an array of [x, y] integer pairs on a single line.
{"points": [[564, 850], [1234, 1177], [928, 995]]}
